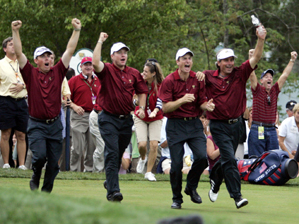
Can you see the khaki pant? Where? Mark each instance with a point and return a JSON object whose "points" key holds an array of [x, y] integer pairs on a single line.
{"points": [[98, 155], [82, 144]]}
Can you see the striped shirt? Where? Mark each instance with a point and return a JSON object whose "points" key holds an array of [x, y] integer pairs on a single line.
{"points": [[264, 105]]}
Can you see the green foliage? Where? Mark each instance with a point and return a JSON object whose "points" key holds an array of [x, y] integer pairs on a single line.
{"points": [[158, 28]]}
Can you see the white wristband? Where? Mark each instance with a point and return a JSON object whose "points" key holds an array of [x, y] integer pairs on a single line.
{"points": [[292, 60]]}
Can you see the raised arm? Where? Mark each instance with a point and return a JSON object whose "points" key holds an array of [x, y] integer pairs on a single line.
{"points": [[286, 72], [98, 65], [72, 44], [258, 52], [15, 26], [252, 77]]}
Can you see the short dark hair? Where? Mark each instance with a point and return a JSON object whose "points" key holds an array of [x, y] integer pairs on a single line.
{"points": [[4, 43]]}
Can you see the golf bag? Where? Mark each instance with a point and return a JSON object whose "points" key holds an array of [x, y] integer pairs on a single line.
{"points": [[273, 167]]}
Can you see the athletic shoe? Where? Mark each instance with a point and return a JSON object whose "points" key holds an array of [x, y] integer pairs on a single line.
{"points": [[6, 166], [176, 205], [22, 167], [150, 176], [213, 195], [140, 165], [241, 202]]}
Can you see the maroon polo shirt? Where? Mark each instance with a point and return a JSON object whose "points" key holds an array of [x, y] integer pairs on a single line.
{"points": [[229, 94], [44, 90], [117, 88], [174, 88], [261, 110], [82, 90]]}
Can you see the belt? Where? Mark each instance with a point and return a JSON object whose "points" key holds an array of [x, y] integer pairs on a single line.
{"points": [[121, 116], [97, 111], [231, 121], [47, 121], [187, 118], [16, 99], [263, 124]]}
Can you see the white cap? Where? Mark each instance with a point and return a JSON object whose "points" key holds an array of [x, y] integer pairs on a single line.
{"points": [[225, 53], [41, 50], [117, 46], [181, 52]]}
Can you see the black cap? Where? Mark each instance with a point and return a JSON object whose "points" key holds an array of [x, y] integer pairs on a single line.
{"points": [[267, 71], [290, 105]]}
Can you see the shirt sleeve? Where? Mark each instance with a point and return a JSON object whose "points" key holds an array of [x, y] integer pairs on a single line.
{"points": [[165, 92]]}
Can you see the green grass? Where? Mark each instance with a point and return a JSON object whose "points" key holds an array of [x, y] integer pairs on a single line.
{"points": [[81, 198]]}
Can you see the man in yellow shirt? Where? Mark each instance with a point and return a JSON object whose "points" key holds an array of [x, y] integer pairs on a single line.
{"points": [[13, 105]]}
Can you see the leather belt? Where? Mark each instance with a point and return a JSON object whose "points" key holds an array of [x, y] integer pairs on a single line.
{"points": [[16, 99], [263, 124], [187, 118], [97, 111], [231, 121], [121, 116], [47, 121]]}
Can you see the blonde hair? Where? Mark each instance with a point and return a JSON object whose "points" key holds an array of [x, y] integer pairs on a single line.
{"points": [[295, 108]]}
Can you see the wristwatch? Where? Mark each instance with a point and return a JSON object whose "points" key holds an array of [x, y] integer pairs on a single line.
{"points": [[142, 107]]}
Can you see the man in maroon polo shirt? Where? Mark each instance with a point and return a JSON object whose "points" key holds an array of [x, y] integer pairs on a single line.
{"points": [[84, 88], [227, 87], [263, 136], [183, 99], [44, 101], [118, 84]]}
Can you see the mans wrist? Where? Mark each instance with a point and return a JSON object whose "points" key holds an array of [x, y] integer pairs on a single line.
{"points": [[292, 60], [101, 42], [141, 107], [76, 29]]}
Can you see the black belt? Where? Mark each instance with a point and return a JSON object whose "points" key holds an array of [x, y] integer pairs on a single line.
{"points": [[47, 121], [186, 118], [97, 111], [263, 124], [125, 116], [231, 121], [16, 99]]}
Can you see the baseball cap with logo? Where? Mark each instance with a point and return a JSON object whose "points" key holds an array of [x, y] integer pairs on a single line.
{"points": [[117, 46], [290, 105], [225, 53], [86, 60], [181, 52], [267, 71], [41, 50]]}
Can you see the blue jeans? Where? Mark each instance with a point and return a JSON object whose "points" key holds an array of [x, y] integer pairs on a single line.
{"points": [[257, 146]]}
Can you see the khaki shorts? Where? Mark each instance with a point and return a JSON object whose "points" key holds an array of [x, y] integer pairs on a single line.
{"points": [[166, 164], [144, 130]]}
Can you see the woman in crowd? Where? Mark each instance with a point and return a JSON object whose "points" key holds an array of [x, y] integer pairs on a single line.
{"points": [[150, 125]]}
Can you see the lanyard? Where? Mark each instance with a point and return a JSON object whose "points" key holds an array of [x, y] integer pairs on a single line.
{"points": [[16, 71], [90, 86]]}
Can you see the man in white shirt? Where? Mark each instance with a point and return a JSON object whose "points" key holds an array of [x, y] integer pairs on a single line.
{"points": [[289, 133]]}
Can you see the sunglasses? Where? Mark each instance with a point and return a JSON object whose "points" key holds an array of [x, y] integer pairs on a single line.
{"points": [[269, 100]]}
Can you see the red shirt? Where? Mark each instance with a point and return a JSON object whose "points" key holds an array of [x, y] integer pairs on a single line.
{"points": [[151, 102], [44, 90], [82, 91], [229, 94], [173, 88], [261, 110], [117, 88]]}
